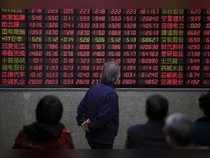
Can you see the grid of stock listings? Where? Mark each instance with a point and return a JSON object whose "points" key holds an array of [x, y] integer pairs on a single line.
{"points": [[157, 48]]}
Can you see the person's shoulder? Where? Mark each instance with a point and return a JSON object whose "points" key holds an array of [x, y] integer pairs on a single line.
{"points": [[65, 131], [135, 128], [201, 124], [22, 135], [65, 139], [102, 85], [64, 136], [202, 120], [98, 86], [21, 140], [106, 89]]}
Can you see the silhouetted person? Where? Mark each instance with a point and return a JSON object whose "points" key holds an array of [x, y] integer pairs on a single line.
{"points": [[98, 112], [178, 131], [201, 127], [47, 132], [150, 134]]}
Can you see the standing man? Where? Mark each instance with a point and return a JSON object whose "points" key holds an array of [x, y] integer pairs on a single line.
{"points": [[98, 112]]}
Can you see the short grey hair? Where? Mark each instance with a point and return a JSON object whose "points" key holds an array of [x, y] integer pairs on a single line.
{"points": [[178, 128], [111, 72]]}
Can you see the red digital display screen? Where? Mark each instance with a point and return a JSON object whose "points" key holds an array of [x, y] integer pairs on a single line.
{"points": [[157, 48]]}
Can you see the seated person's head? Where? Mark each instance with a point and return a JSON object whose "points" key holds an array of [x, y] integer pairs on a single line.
{"points": [[156, 108], [204, 104], [49, 110], [47, 132], [111, 72], [178, 130]]}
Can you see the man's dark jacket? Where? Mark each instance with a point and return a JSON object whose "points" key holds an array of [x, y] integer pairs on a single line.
{"points": [[100, 105], [201, 131], [149, 135]]}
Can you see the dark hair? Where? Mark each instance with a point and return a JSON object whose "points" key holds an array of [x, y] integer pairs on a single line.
{"points": [[49, 110], [204, 103], [156, 107]]}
